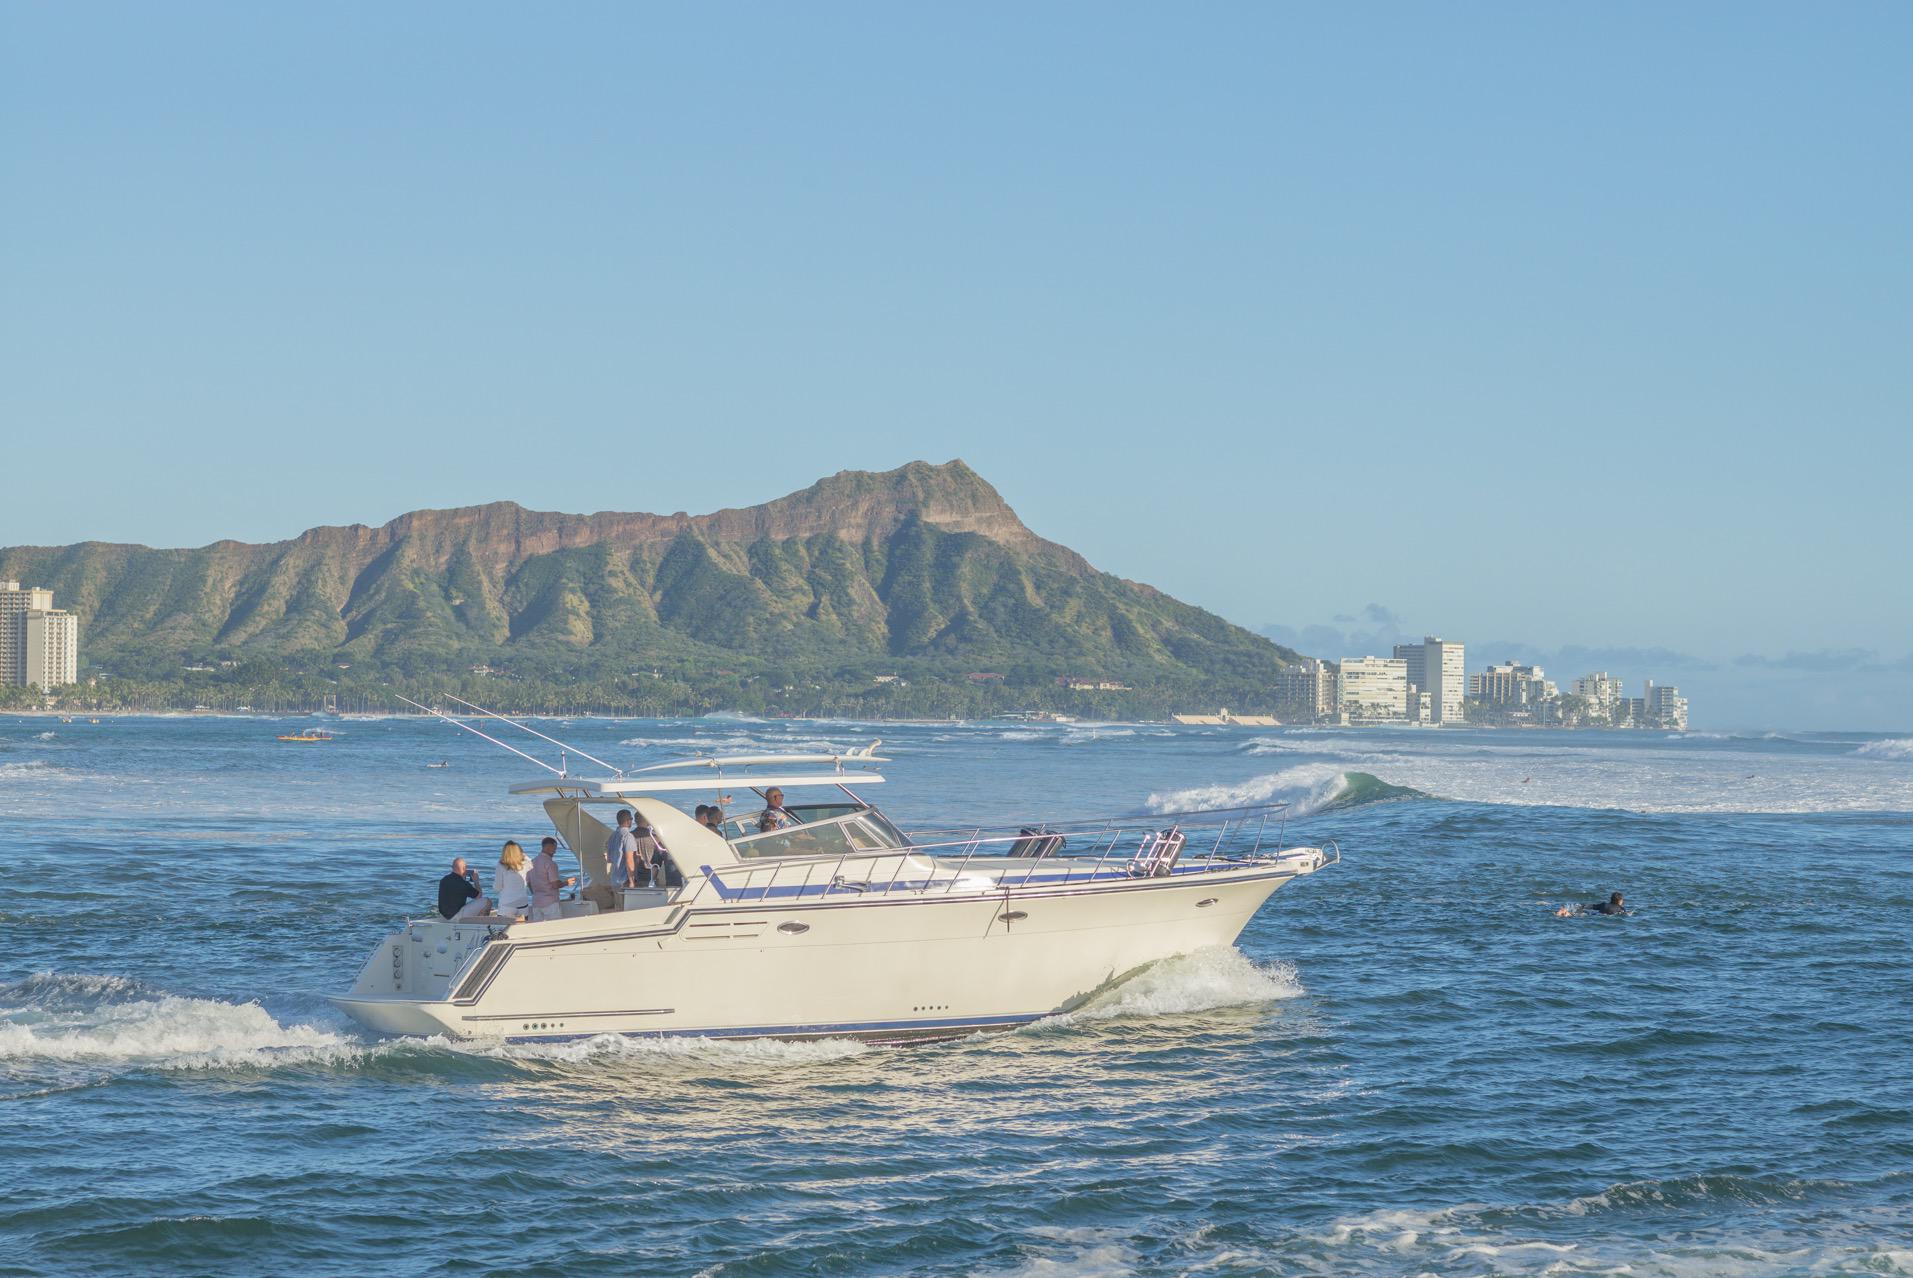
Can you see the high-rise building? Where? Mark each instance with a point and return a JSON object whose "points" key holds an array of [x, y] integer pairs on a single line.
{"points": [[1305, 691], [1511, 684], [1439, 669], [52, 648], [1602, 692], [39, 644], [1666, 707], [1374, 690]]}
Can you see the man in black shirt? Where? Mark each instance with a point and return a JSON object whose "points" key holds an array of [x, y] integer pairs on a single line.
{"points": [[456, 889]]}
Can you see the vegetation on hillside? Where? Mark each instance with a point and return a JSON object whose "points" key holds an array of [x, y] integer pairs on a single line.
{"points": [[866, 595]]}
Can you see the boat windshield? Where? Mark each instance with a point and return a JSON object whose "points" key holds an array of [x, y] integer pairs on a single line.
{"points": [[855, 830]]}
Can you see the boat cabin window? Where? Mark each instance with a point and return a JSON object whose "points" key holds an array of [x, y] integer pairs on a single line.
{"points": [[827, 839], [892, 837], [808, 812], [863, 838]]}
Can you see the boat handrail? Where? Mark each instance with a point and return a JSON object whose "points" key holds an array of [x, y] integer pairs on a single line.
{"points": [[1103, 822], [744, 875]]}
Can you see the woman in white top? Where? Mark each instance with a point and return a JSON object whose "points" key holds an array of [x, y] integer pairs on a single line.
{"points": [[509, 889]]}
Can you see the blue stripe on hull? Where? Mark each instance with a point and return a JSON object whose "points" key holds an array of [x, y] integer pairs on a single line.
{"points": [[846, 1029]]}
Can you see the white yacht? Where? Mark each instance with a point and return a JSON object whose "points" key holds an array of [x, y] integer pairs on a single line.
{"points": [[836, 924]]}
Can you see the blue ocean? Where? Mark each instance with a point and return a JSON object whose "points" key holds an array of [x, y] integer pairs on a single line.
{"points": [[1408, 1065]]}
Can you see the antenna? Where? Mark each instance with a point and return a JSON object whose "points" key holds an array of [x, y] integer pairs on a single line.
{"points": [[534, 732], [436, 714]]}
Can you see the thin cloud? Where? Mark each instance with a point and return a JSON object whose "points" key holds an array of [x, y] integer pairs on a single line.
{"points": [[1827, 661]]}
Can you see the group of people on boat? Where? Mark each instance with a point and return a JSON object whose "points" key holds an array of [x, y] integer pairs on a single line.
{"points": [[637, 858], [520, 890]]}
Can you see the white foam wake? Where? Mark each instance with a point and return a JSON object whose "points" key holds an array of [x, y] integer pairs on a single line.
{"points": [[1307, 788], [167, 1032], [1220, 976], [106, 1020]]}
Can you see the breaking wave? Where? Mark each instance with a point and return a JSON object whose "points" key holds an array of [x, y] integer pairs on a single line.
{"points": [[1308, 788], [1078, 736], [34, 770], [1895, 748]]}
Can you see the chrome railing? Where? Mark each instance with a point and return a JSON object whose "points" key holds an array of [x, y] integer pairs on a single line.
{"points": [[1205, 840]]}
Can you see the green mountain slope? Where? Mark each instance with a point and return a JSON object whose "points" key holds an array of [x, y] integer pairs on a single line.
{"points": [[923, 568]]}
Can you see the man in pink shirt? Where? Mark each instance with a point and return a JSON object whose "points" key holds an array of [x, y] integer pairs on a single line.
{"points": [[544, 882]]}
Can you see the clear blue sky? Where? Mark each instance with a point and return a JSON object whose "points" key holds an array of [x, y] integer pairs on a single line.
{"points": [[1573, 325]]}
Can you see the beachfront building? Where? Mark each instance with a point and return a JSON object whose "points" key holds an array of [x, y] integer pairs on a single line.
{"points": [[1510, 684], [1603, 694], [1439, 669], [1666, 707], [1374, 690], [1512, 692], [1306, 692], [52, 649], [39, 644]]}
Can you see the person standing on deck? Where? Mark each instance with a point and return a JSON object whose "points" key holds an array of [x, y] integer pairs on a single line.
{"points": [[545, 882], [644, 853], [621, 851]]}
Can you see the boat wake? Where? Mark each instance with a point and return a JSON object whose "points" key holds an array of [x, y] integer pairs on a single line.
{"points": [[1221, 976], [104, 1019], [96, 1021]]}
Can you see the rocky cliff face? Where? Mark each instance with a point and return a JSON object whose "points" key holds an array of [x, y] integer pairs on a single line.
{"points": [[924, 561]]}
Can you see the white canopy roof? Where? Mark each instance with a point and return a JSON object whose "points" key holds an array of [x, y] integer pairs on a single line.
{"points": [[865, 755], [620, 787], [617, 787]]}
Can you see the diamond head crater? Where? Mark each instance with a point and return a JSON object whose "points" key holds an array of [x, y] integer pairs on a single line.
{"points": [[910, 593]]}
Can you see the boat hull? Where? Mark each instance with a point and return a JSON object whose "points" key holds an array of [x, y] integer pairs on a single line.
{"points": [[896, 968]]}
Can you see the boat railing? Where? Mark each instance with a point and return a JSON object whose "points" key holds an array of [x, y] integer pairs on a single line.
{"points": [[1260, 812], [1163, 843]]}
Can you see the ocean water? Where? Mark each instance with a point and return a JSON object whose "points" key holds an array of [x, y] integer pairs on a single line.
{"points": [[1408, 1065]]}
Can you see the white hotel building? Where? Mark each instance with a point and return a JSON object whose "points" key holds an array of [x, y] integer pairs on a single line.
{"points": [[1374, 690], [1438, 668], [39, 644]]}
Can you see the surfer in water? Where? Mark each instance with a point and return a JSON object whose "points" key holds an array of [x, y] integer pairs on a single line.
{"points": [[1613, 905]]}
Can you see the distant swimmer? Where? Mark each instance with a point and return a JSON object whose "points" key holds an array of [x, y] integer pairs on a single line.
{"points": [[1526, 780], [1613, 905]]}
